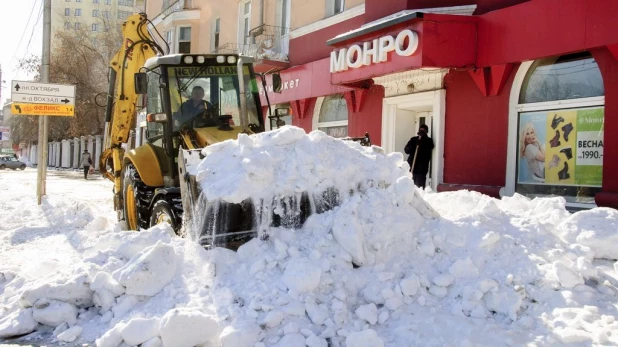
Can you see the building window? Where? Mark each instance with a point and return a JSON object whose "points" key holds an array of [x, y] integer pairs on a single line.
{"points": [[184, 40], [78, 26], [560, 129], [67, 25], [78, 12], [105, 14], [67, 11], [126, 2], [216, 32], [95, 1], [78, 0], [95, 13], [334, 7], [95, 27], [123, 14], [339, 6], [333, 118], [246, 22], [108, 2], [94, 42]]}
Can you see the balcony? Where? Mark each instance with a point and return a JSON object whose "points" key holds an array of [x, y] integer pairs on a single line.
{"points": [[268, 44], [174, 9]]}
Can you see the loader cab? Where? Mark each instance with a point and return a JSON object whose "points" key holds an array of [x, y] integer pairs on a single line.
{"points": [[194, 101]]}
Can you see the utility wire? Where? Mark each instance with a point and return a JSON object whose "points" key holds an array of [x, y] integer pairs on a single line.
{"points": [[33, 29], [25, 29]]}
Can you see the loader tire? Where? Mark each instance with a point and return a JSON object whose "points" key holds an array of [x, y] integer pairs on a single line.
{"points": [[163, 212], [136, 199]]}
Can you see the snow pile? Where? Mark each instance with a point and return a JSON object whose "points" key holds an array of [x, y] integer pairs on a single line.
{"points": [[288, 161], [373, 271]]}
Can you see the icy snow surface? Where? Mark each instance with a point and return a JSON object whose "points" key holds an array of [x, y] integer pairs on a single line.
{"points": [[486, 273]]}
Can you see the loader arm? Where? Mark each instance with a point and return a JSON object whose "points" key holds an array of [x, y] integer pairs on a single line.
{"points": [[137, 47]]}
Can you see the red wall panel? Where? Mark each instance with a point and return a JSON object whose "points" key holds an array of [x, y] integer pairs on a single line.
{"points": [[476, 132], [312, 46], [369, 119], [551, 28]]}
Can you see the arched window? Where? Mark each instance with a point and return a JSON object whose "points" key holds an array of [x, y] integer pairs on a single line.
{"points": [[560, 124], [333, 118]]}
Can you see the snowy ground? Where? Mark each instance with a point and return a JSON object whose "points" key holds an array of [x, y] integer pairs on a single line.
{"points": [[487, 272]]}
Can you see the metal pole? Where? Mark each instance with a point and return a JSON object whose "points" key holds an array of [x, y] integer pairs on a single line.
{"points": [[42, 165]]}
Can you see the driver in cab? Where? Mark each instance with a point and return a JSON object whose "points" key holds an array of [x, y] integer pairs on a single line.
{"points": [[195, 108]]}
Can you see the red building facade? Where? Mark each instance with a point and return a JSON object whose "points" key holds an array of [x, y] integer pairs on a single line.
{"points": [[520, 96]]}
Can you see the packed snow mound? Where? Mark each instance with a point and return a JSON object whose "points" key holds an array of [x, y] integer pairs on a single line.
{"points": [[597, 229], [287, 161], [373, 271]]}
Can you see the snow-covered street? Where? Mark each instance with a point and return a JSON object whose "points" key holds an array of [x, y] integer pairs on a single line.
{"points": [[378, 270]]}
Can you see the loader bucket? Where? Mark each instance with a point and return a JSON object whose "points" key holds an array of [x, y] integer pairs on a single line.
{"points": [[219, 223]]}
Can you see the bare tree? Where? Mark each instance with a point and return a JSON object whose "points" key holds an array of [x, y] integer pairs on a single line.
{"points": [[80, 57]]}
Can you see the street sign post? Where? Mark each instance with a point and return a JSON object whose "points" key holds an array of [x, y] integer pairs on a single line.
{"points": [[42, 99]]}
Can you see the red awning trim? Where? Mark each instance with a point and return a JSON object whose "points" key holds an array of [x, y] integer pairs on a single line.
{"points": [[490, 80]]}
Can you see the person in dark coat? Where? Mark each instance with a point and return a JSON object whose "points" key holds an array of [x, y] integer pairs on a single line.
{"points": [[423, 155], [85, 162]]}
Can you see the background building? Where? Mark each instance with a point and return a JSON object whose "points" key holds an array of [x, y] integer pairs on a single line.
{"points": [[97, 16]]}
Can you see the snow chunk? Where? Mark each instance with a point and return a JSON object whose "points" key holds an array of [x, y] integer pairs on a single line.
{"points": [[314, 341], [567, 277], [54, 312], [409, 285], [104, 281], [274, 318], [301, 276], [464, 268], [317, 314], [506, 302], [241, 333], [17, 323], [368, 313], [70, 334], [489, 239], [444, 280], [148, 272], [140, 330], [365, 338], [349, 234], [183, 327], [74, 291], [292, 340], [153, 342], [291, 328], [595, 228], [437, 291]]}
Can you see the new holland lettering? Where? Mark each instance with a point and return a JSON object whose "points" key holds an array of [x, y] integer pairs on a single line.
{"points": [[590, 144], [205, 71], [374, 52]]}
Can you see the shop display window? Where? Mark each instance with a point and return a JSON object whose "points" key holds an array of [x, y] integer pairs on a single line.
{"points": [[560, 129], [333, 118]]}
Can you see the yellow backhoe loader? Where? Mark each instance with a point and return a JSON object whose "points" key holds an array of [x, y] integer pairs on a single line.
{"points": [[191, 101]]}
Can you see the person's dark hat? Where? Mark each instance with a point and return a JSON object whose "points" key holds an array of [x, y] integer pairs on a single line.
{"points": [[424, 126]]}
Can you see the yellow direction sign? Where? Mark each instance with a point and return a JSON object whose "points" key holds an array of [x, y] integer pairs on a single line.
{"points": [[42, 110]]}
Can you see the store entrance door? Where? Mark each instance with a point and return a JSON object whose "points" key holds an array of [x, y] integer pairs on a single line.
{"points": [[401, 119]]}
